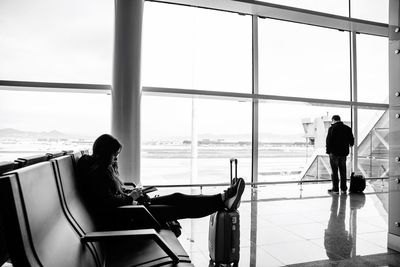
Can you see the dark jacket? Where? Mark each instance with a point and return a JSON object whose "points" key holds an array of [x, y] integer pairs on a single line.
{"points": [[102, 189], [339, 139]]}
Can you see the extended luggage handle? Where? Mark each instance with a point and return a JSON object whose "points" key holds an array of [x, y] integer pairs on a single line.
{"points": [[236, 163]]}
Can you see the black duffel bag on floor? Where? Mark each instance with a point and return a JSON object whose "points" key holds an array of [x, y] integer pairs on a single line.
{"points": [[357, 183]]}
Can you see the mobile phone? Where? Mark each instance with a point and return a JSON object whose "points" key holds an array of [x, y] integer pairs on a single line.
{"points": [[149, 189]]}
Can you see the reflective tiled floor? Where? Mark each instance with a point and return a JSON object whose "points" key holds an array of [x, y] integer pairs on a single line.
{"points": [[288, 225]]}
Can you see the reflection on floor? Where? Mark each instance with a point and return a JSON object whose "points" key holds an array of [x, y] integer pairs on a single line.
{"points": [[288, 225]]}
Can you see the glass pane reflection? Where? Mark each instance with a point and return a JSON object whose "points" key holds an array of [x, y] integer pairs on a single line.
{"points": [[373, 143], [190, 141], [309, 62], [36, 122], [292, 140]]}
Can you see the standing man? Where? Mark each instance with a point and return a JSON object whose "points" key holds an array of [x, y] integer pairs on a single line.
{"points": [[338, 141]]}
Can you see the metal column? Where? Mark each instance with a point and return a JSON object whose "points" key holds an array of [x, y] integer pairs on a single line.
{"points": [[354, 98], [394, 125], [254, 157], [126, 89], [254, 168]]}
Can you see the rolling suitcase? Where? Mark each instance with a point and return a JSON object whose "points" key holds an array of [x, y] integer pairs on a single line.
{"points": [[224, 234], [357, 183]]}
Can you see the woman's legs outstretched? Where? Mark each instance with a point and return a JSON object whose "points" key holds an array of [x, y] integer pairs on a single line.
{"points": [[179, 206]]}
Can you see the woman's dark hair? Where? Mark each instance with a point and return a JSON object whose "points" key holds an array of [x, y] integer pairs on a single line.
{"points": [[105, 146]]}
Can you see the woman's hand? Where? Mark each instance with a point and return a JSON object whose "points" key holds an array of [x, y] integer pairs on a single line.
{"points": [[136, 193]]}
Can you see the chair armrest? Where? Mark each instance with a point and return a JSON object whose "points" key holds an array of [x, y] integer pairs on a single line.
{"points": [[141, 214], [132, 234]]}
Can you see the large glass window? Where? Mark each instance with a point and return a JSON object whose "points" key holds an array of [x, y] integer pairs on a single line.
{"points": [[292, 140], [37, 122], [374, 10], [188, 137], [373, 142], [372, 69], [303, 61], [56, 41], [195, 48], [336, 7], [190, 141]]}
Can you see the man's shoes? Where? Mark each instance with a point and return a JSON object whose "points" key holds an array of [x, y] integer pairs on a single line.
{"points": [[343, 192], [331, 191], [233, 194]]}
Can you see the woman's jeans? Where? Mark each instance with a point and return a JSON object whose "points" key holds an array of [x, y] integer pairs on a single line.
{"points": [[181, 206]]}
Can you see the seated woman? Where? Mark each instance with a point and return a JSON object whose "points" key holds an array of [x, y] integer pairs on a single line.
{"points": [[105, 191]]}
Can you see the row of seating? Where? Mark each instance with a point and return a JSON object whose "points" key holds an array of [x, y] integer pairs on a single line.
{"points": [[7, 166], [48, 224]]}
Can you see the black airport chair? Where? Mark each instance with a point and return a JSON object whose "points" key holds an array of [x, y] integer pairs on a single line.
{"points": [[30, 160], [39, 231]]}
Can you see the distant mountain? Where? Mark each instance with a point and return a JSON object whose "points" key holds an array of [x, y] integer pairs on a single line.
{"points": [[9, 132], [263, 137]]}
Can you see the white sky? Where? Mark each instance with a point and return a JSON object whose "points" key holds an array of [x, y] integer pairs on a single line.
{"points": [[72, 41]]}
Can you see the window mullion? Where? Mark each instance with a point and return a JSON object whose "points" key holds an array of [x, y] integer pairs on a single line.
{"points": [[254, 162]]}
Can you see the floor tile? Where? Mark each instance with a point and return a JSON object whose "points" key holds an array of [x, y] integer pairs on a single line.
{"points": [[377, 238], [308, 230], [273, 235], [256, 256], [288, 226], [295, 252]]}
